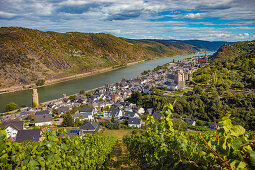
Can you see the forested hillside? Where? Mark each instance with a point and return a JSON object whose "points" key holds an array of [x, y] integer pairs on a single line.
{"points": [[27, 55], [183, 44], [224, 86]]}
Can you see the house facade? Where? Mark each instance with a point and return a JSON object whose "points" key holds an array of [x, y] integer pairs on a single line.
{"points": [[43, 118], [134, 122], [89, 127], [28, 135], [12, 127]]}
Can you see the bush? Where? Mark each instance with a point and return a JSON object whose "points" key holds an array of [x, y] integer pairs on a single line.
{"points": [[179, 124], [40, 82], [11, 106], [202, 123], [82, 92]]}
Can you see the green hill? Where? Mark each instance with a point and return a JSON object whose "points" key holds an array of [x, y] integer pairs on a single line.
{"points": [[186, 44], [27, 55]]}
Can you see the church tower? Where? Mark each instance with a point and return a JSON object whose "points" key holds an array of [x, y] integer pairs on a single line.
{"points": [[35, 101]]}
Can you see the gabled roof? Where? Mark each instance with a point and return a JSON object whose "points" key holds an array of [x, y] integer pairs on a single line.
{"points": [[136, 121], [189, 121], [170, 76], [28, 135], [82, 114], [87, 109], [129, 114], [114, 111], [90, 126], [43, 118], [156, 115], [63, 109], [16, 124], [43, 112]]}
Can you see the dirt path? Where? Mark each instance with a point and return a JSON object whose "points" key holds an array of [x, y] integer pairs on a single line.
{"points": [[120, 158]]}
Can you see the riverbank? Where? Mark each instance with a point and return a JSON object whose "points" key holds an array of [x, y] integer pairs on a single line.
{"points": [[67, 78], [69, 87], [76, 76]]}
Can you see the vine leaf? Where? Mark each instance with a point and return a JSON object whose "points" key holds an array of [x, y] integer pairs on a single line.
{"points": [[237, 130], [252, 158]]}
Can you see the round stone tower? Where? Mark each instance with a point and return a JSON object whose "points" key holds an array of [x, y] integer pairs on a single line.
{"points": [[35, 99]]}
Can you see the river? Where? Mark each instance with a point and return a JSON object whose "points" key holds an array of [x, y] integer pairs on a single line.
{"points": [[47, 93]]}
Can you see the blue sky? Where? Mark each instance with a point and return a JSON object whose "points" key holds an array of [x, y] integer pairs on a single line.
{"points": [[226, 20]]}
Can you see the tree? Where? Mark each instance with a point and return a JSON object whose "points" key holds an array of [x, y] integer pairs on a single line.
{"points": [[68, 120], [82, 92], [11, 106], [197, 90], [54, 112], [34, 104], [72, 97], [40, 82], [178, 108], [78, 122]]}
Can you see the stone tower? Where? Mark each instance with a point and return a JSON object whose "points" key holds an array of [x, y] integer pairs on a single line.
{"points": [[180, 79], [190, 76], [186, 76], [35, 98]]}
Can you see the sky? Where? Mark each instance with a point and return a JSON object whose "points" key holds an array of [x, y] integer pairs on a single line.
{"points": [[212, 20]]}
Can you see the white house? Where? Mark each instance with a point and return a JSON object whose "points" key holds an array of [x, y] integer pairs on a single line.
{"points": [[117, 113], [43, 118], [134, 122], [83, 116], [12, 127], [140, 110], [86, 113]]}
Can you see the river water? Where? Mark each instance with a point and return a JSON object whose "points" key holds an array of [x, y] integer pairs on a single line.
{"points": [[47, 93]]}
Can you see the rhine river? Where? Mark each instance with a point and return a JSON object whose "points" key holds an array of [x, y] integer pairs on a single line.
{"points": [[51, 92]]}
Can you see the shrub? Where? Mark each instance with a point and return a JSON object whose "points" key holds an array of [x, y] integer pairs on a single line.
{"points": [[11, 106], [40, 82]]}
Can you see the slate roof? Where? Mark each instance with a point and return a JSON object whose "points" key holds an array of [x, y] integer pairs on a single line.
{"points": [[129, 114], [189, 121], [86, 115], [18, 125], [63, 109], [28, 135], [136, 121], [156, 115], [87, 109], [90, 126], [170, 76], [43, 118], [43, 112], [114, 111]]}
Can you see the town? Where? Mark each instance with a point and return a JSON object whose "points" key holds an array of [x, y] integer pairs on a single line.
{"points": [[88, 112]]}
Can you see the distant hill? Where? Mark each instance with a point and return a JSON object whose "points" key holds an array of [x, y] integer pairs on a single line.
{"points": [[207, 45], [186, 44], [27, 55]]}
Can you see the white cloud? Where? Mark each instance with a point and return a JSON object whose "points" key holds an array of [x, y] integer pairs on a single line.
{"points": [[133, 18], [193, 16], [6, 14], [246, 34]]}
